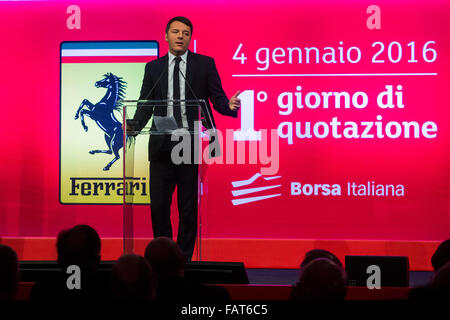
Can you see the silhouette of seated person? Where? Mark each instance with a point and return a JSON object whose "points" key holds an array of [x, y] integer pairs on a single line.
{"points": [[441, 256], [78, 246], [132, 278], [433, 290], [437, 290], [9, 273], [320, 279], [320, 253], [442, 278], [168, 262]]}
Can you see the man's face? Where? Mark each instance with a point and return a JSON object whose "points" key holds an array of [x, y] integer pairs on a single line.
{"points": [[178, 37]]}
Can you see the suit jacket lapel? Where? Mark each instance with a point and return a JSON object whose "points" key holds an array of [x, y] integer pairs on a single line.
{"points": [[165, 77]]}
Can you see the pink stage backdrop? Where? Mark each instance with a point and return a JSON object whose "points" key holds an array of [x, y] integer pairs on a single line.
{"points": [[356, 96]]}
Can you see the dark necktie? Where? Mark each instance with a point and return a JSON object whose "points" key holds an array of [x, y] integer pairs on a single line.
{"points": [[176, 92]]}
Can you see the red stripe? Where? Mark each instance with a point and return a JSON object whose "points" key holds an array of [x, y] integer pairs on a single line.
{"points": [[115, 59]]}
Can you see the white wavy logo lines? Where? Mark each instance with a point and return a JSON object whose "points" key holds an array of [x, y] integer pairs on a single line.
{"points": [[241, 192]]}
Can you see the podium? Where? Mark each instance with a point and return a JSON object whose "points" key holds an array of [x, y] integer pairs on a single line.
{"points": [[180, 126]]}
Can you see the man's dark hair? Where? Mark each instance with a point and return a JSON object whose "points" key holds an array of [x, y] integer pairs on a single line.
{"points": [[320, 253], [9, 272], [441, 256], [132, 278], [320, 279], [181, 19], [79, 245], [165, 257]]}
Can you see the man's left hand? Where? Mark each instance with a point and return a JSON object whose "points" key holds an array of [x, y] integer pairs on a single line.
{"points": [[235, 102]]}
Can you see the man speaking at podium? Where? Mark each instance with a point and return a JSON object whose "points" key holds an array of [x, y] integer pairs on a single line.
{"points": [[165, 78]]}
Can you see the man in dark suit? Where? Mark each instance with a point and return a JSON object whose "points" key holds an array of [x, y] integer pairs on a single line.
{"points": [[180, 74]]}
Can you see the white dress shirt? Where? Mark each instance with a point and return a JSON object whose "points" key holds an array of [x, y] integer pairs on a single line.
{"points": [[183, 64]]}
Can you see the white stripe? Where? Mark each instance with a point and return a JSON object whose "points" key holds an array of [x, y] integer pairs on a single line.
{"points": [[252, 190], [242, 183], [335, 74], [108, 52], [253, 199]]}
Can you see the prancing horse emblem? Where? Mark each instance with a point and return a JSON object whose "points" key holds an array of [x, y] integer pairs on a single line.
{"points": [[103, 114]]}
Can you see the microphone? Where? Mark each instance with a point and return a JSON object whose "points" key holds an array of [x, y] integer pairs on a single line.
{"points": [[195, 96], [132, 124], [156, 83], [213, 135]]}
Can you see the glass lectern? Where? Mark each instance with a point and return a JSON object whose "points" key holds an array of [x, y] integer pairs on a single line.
{"points": [[186, 126]]}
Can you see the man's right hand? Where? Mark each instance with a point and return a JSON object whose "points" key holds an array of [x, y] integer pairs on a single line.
{"points": [[132, 125]]}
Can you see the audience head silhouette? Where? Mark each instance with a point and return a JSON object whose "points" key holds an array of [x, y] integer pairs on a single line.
{"points": [[168, 262], [438, 289], [441, 279], [165, 257], [131, 278], [321, 279], [441, 256], [80, 246], [320, 253], [9, 273]]}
